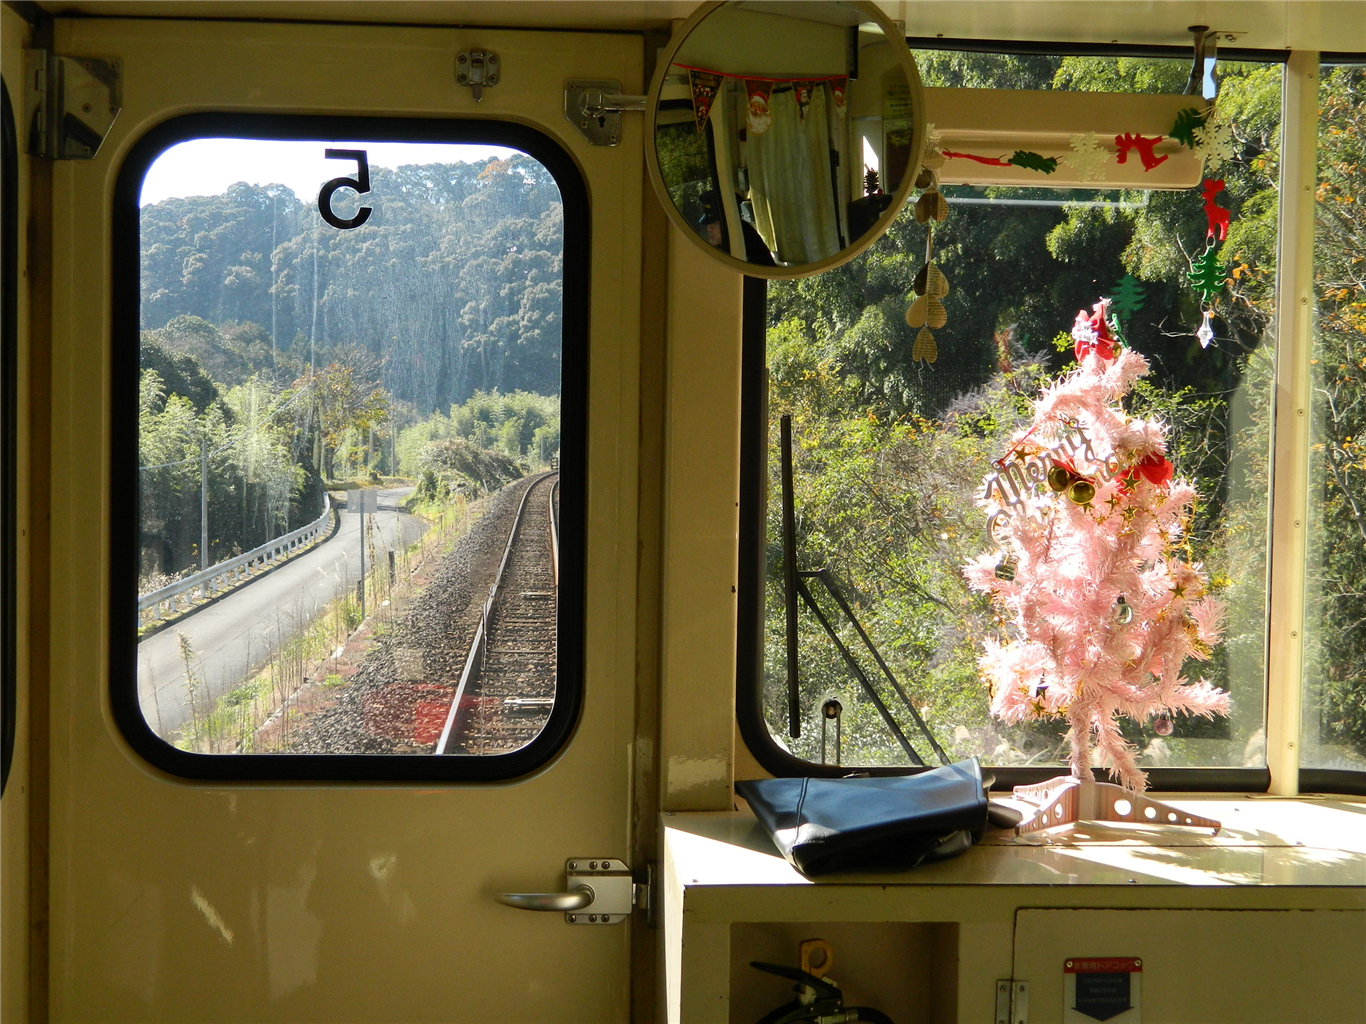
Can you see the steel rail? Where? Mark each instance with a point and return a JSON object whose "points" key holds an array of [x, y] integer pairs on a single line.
{"points": [[475, 657], [237, 567]]}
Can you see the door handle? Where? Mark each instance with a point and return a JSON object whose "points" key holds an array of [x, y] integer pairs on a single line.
{"points": [[597, 890], [580, 897]]}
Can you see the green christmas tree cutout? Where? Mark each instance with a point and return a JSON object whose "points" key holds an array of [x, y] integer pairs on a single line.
{"points": [[1207, 275], [1127, 298], [1188, 121], [1034, 162]]}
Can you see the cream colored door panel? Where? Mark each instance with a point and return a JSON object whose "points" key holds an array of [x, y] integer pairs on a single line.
{"points": [[182, 901]]}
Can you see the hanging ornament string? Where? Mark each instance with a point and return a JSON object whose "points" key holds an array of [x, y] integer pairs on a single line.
{"points": [[927, 311]]}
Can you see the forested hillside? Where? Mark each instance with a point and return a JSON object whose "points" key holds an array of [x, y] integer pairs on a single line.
{"points": [[279, 351]]}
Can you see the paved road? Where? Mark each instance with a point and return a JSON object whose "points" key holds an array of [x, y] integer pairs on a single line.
{"points": [[237, 634]]}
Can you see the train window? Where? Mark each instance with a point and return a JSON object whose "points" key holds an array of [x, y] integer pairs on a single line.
{"points": [[889, 453], [1334, 717], [349, 378]]}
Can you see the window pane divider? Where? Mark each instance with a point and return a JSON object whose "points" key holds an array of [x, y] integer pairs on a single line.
{"points": [[1290, 479]]}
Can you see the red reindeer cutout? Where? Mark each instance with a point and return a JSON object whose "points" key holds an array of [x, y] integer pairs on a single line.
{"points": [[1215, 215], [1129, 141]]}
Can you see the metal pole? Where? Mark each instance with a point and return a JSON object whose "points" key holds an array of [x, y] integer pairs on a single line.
{"points": [[203, 502], [794, 718], [362, 567]]}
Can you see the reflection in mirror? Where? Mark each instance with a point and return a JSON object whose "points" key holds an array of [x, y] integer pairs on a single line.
{"points": [[348, 437], [785, 131]]}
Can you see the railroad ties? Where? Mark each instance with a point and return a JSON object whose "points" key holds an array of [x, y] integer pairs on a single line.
{"points": [[509, 685]]}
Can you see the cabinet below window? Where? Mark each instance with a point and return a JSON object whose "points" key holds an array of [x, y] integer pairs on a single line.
{"points": [[1266, 921]]}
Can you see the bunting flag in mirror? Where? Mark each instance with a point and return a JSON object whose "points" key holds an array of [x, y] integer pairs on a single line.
{"points": [[758, 118], [704, 86], [838, 88], [803, 95]]}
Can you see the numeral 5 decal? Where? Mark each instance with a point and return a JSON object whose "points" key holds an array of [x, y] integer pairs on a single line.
{"points": [[361, 183]]}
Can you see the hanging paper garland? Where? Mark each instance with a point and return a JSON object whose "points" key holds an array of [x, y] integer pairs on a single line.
{"points": [[927, 312], [1128, 296], [1216, 217], [1207, 275], [1087, 158], [1020, 158], [1214, 141], [1129, 141], [1187, 122], [758, 118], [704, 85]]}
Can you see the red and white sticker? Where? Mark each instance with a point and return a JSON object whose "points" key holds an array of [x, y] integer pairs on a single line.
{"points": [[1103, 988]]}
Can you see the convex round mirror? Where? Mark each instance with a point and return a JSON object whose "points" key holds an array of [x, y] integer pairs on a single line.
{"points": [[785, 135]]}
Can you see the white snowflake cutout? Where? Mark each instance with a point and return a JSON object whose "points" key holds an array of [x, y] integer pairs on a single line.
{"points": [[1087, 158], [1214, 141]]}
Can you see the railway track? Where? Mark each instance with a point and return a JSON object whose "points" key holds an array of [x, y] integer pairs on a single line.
{"points": [[507, 687]]}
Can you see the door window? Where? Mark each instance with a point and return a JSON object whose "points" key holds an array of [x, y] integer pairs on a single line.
{"points": [[353, 447]]}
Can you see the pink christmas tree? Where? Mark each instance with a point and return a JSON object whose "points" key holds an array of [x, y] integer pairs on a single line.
{"points": [[1099, 606]]}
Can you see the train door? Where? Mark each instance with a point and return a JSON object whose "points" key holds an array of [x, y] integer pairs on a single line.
{"points": [[304, 899]]}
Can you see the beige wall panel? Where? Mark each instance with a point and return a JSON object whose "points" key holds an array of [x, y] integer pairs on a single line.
{"points": [[1210, 966], [185, 901], [701, 530], [17, 805]]}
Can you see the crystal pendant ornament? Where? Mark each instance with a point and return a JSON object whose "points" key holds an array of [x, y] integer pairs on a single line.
{"points": [[1206, 332], [1163, 724], [1123, 613]]}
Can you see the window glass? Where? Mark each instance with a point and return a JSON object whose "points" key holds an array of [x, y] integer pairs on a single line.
{"points": [[1334, 720], [348, 396], [890, 453]]}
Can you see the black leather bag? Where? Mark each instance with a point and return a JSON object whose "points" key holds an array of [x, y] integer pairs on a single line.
{"points": [[824, 825]]}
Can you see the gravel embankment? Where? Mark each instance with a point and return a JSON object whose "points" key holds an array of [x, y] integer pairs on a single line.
{"points": [[397, 699]]}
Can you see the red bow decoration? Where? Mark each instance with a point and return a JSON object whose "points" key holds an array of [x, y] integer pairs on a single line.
{"points": [[1155, 469]]}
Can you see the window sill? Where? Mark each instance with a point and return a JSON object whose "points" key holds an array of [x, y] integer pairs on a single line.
{"points": [[1299, 841]]}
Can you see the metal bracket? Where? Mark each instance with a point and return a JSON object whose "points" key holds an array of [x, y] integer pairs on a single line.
{"points": [[70, 103], [477, 68], [595, 106], [1203, 80], [614, 892]]}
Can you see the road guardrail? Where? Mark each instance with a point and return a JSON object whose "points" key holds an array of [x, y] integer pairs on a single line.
{"points": [[226, 575]]}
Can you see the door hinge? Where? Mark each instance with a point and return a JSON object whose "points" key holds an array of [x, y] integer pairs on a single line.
{"points": [[594, 107], [1012, 1001], [70, 103], [477, 68]]}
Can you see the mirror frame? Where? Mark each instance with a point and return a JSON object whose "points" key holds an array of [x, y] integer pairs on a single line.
{"points": [[896, 38]]}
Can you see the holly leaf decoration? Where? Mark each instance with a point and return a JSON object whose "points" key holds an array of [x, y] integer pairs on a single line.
{"points": [[1207, 275], [1127, 297], [1033, 161], [1187, 122]]}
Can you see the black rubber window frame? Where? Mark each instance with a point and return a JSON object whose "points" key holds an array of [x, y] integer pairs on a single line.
{"points": [[9, 348], [123, 523]]}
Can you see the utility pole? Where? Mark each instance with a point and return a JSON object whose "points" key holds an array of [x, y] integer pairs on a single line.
{"points": [[203, 501]]}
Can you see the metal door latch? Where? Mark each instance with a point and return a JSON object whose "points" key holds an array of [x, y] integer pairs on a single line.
{"points": [[598, 890], [594, 107], [69, 103], [477, 68]]}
